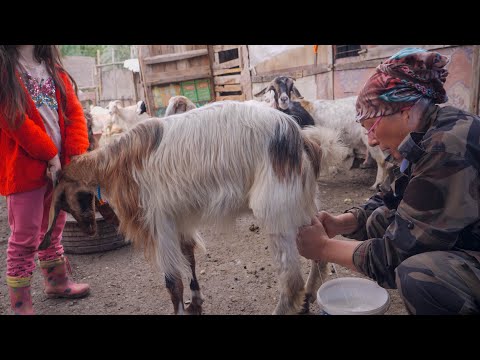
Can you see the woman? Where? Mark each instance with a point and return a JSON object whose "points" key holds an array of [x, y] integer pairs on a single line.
{"points": [[422, 233]]}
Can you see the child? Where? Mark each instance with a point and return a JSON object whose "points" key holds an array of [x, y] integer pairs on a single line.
{"points": [[42, 126]]}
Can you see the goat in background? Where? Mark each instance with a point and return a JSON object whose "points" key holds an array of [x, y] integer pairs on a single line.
{"points": [[338, 114], [166, 177], [179, 104], [282, 88], [123, 118]]}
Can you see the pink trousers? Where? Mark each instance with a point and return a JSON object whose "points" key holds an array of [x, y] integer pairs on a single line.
{"points": [[28, 219]]}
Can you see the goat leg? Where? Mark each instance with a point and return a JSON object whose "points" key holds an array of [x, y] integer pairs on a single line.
{"points": [[195, 307], [369, 162], [289, 272], [175, 288], [318, 273]]}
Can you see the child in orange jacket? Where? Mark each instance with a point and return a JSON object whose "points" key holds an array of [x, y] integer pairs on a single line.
{"points": [[42, 125]]}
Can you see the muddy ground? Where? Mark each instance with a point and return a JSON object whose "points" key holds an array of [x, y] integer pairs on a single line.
{"points": [[235, 274]]}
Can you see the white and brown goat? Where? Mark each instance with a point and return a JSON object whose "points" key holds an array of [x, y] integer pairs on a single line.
{"points": [[166, 177]]}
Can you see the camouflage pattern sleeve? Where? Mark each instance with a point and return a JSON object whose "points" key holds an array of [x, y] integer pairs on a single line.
{"points": [[441, 199], [362, 213]]}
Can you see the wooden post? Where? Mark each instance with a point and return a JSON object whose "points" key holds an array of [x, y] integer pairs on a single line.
{"points": [[474, 94], [115, 81], [331, 78], [143, 52], [245, 76], [211, 57], [99, 77], [135, 92]]}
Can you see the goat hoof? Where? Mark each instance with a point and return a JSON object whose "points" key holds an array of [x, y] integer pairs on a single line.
{"points": [[305, 309], [193, 309], [306, 304]]}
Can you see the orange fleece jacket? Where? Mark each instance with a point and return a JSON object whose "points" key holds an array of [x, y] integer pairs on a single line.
{"points": [[25, 151]]}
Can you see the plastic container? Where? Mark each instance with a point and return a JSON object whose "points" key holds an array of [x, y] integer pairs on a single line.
{"points": [[352, 296]]}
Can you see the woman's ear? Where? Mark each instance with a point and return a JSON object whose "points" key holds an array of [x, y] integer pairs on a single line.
{"points": [[408, 118]]}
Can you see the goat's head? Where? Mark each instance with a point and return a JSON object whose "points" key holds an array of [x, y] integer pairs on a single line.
{"points": [[282, 87], [179, 104], [113, 107], [141, 107], [76, 198], [91, 136]]}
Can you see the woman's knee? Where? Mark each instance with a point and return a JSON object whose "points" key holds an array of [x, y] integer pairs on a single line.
{"points": [[429, 285]]}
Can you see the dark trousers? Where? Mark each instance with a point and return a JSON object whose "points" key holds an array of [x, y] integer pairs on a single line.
{"points": [[436, 282]]}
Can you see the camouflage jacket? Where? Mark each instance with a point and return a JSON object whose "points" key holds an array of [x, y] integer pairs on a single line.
{"points": [[437, 198]]}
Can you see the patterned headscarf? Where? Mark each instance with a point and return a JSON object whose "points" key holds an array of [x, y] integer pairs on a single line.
{"points": [[401, 81]]}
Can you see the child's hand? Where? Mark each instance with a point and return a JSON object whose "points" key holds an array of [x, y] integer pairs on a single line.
{"points": [[54, 166]]}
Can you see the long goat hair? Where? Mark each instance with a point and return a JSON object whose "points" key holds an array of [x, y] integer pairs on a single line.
{"points": [[166, 177]]}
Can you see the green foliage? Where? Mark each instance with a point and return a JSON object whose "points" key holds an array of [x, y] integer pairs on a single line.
{"points": [[81, 50], [107, 52], [115, 53]]}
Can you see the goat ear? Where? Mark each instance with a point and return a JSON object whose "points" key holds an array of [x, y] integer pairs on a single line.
{"points": [[267, 89], [178, 102], [296, 92], [113, 108], [52, 220], [261, 92]]}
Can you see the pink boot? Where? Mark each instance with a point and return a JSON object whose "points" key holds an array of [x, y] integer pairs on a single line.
{"points": [[57, 283], [20, 297]]}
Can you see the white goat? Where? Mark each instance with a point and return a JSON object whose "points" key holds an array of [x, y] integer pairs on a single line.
{"points": [[122, 119], [101, 117], [166, 177], [340, 114]]}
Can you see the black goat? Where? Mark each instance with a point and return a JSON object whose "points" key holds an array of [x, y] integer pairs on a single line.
{"points": [[282, 87]]}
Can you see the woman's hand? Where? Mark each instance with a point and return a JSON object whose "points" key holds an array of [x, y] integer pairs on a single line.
{"points": [[331, 223], [312, 239], [337, 225]]}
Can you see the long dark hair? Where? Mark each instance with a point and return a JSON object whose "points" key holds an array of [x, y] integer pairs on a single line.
{"points": [[13, 99]]}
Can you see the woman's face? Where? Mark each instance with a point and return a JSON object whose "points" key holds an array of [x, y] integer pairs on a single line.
{"points": [[388, 132]]}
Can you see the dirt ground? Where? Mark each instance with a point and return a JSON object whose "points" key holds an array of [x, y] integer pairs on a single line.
{"points": [[236, 274]]}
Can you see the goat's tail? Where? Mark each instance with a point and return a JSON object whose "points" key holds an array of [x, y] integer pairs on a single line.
{"points": [[169, 255], [199, 242], [323, 147]]}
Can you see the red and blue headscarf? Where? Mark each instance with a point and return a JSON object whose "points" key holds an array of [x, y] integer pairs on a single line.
{"points": [[401, 81]]}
